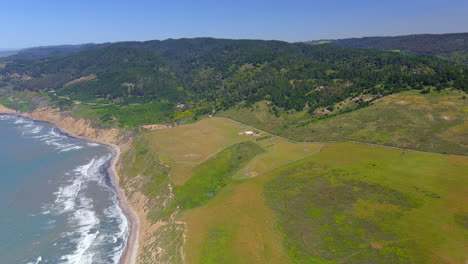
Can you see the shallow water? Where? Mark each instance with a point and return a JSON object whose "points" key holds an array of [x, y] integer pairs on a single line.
{"points": [[56, 201]]}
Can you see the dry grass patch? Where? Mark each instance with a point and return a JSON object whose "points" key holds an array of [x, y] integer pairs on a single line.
{"points": [[181, 173], [235, 227], [196, 142], [82, 79], [279, 152]]}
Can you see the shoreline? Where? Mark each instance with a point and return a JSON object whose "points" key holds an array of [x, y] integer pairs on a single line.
{"points": [[129, 254]]}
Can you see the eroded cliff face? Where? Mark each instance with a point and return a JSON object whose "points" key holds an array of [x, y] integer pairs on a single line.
{"points": [[76, 127], [81, 127], [147, 185], [4, 110]]}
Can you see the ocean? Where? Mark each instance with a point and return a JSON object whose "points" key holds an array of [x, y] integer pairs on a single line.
{"points": [[57, 203]]}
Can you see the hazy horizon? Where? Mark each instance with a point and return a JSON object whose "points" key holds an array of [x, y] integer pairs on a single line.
{"points": [[68, 44], [62, 22]]}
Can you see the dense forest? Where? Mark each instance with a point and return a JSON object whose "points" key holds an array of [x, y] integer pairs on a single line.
{"points": [[208, 74], [452, 46]]}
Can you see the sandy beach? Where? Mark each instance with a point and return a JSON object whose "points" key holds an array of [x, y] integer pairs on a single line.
{"points": [[129, 255]]}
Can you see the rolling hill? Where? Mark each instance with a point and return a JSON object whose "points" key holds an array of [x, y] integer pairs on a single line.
{"points": [[207, 75], [452, 46]]}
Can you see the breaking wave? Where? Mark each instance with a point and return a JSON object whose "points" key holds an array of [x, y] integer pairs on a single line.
{"points": [[72, 199], [96, 230], [53, 137]]}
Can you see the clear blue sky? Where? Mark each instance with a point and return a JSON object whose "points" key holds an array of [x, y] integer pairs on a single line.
{"points": [[26, 23]]}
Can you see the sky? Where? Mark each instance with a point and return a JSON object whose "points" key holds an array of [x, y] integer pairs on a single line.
{"points": [[28, 23]]}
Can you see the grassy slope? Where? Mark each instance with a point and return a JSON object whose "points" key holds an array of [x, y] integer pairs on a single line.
{"points": [[408, 120], [347, 202], [350, 202], [367, 204], [185, 147], [212, 175], [126, 116], [200, 154], [235, 227]]}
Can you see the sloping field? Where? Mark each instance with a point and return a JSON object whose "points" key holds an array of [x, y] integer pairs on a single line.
{"points": [[434, 122], [349, 203], [186, 147], [262, 199]]}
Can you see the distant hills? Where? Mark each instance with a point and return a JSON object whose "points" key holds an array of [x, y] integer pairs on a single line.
{"points": [[6, 53], [208, 75], [36, 53], [452, 46]]}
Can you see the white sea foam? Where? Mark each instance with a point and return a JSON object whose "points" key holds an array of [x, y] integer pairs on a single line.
{"points": [[53, 137], [66, 197], [115, 212], [39, 259], [71, 147], [58, 141], [86, 221], [92, 169], [84, 224], [83, 219], [5, 117], [88, 231], [20, 120], [31, 128]]}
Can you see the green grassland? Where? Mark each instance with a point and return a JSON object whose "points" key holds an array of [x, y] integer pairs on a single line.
{"points": [[350, 203], [20, 101], [433, 122], [185, 147], [212, 175], [125, 116], [265, 199], [198, 170], [361, 204]]}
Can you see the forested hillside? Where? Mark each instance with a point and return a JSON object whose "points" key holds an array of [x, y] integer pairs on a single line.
{"points": [[207, 74], [451, 46]]}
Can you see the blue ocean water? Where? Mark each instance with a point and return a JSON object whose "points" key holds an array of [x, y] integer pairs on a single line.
{"points": [[57, 204]]}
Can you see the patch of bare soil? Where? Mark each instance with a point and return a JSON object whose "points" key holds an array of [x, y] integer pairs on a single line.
{"points": [[156, 126], [322, 112], [401, 102], [377, 245], [128, 85], [82, 79], [192, 156]]}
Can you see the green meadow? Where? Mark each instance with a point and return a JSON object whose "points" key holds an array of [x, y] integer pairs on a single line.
{"points": [[264, 199], [350, 203]]}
